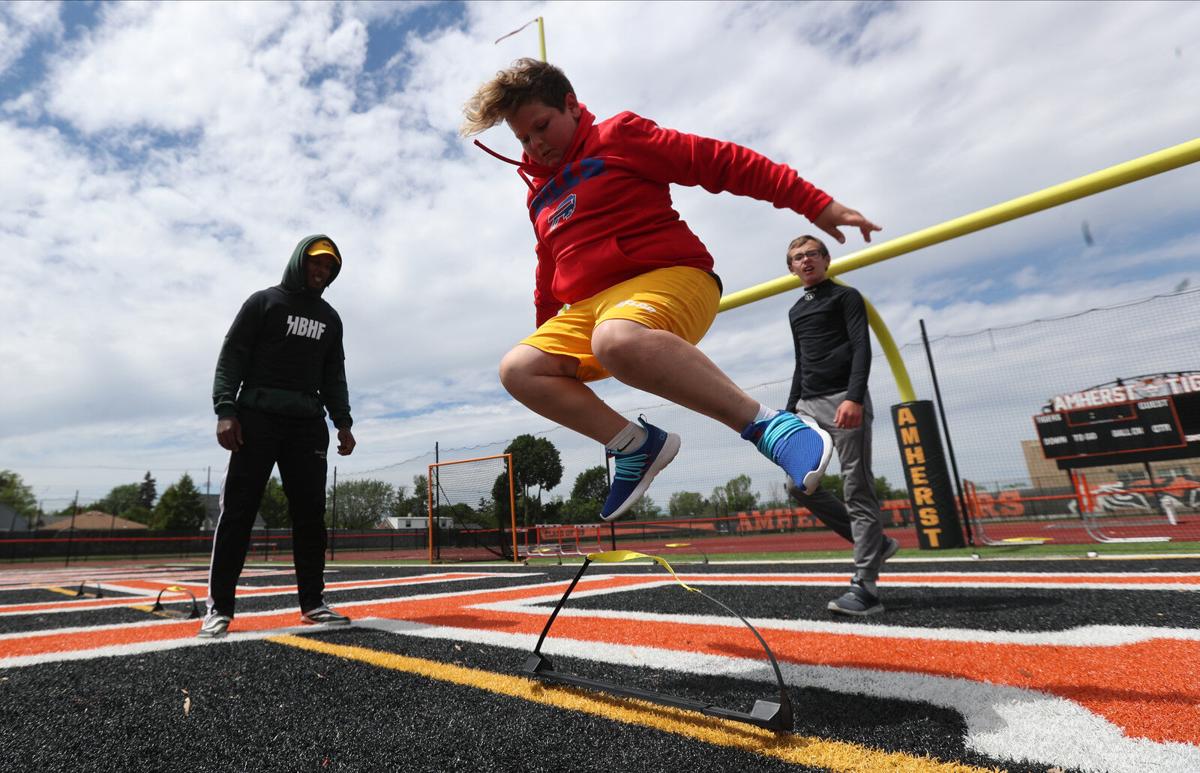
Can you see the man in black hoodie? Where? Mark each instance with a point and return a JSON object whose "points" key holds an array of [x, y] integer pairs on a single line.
{"points": [[281, 366]]}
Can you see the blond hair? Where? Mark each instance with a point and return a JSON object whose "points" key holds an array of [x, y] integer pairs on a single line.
{"points": [[528, 80]]}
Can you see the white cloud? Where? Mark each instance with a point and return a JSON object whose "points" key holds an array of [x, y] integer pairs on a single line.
{"points": [[171, 156], [22, 25]]}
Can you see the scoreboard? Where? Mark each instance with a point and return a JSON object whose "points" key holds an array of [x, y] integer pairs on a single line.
{"points": [[1142, 426]]}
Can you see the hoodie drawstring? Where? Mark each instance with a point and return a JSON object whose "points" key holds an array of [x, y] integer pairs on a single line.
{"points": [[506, 160]]}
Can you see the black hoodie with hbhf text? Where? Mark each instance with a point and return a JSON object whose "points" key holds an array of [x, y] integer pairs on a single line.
{"points": [[283, 354]]}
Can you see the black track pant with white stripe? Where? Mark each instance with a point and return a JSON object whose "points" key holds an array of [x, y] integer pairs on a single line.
{"points": [[299, 447]]}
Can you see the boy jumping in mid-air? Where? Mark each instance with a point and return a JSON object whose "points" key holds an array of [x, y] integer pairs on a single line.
{"points": [[639, 283]]}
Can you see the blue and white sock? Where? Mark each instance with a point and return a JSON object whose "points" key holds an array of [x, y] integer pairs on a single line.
{"points": [[765, 413], [628, 439]]}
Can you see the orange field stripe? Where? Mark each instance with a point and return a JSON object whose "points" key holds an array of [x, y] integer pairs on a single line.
{"points": [[83, 640], [1160, 708]]}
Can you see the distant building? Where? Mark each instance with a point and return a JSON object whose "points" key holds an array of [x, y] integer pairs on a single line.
{"points": [[11, 520], [1044, 473], [93, 520], [414, 523]]}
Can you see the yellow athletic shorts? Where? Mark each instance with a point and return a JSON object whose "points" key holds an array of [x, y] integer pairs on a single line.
{"points": [[680, 299]]}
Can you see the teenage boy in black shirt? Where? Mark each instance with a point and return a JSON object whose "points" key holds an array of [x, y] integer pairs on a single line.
{"points": [[833, 360], [281, 366]]}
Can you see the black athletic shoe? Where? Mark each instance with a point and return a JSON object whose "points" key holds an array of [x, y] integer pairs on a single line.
{"points": [[857, 601], [323, 615]]}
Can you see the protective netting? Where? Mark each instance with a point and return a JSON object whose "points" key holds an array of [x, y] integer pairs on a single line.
{"points": [[471, 502], [993, 381]]}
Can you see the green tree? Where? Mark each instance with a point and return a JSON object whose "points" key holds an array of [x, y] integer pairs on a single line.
{"points": [[834, 484], [361, 504], [552, 511], [738, 496], [686, 503], [119, 500], [536, 462], [147, 492], [502, 500], [417, 505], [462, 514], [139, 514], [719, 501], [274, 505], [587, 495], [421, 492], [645, 508], [180, 508], [18, 496], [884, 490]]}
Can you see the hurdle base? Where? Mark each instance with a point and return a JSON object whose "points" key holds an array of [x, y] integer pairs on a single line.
{"points": [[770, 715], [162, 611]]}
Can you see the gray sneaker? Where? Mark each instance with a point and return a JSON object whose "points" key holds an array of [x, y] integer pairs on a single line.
{"points": [[323, 615], [857, 601], [890, 547], [214, 627]]}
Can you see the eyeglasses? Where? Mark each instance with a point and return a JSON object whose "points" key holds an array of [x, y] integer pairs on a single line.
{"points": [[809, 254]]}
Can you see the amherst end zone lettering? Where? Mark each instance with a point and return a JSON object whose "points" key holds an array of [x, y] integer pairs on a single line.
{"points": [[930, 489], [914, 459]]}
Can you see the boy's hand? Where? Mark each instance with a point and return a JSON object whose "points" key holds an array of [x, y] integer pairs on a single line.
{"points": [[849, 415], [836, 215]]}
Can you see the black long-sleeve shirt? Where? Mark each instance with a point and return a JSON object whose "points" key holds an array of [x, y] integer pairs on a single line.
{"points": [[833, 345]]}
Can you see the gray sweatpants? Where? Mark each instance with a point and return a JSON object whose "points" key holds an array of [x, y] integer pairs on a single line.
{"points": [[859, 520]]}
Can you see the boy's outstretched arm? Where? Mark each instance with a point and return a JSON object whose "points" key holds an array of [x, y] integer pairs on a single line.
{"points": [[836, 215]]}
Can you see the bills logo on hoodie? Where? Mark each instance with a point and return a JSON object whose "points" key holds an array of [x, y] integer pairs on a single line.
{"points": [[563, 212], [570, 176], [302, 326]]}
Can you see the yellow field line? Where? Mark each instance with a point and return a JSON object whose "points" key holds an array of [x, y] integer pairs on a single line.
{"points": [[63, 591], [794, 749]]}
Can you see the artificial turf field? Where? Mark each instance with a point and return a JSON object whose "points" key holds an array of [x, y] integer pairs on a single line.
{"points": [[1026, 665]]}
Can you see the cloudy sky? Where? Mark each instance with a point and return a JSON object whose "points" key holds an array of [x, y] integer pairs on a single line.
{"points": [[161, 160]]}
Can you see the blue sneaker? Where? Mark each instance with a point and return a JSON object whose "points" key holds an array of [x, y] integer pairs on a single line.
{"points": [[637, 468], [795, 443]]}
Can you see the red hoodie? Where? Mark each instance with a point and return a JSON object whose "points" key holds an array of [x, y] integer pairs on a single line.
{"points": [[604, 214]]}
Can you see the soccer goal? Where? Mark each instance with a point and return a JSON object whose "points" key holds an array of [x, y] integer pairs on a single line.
{"points": [[471, 510]]}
